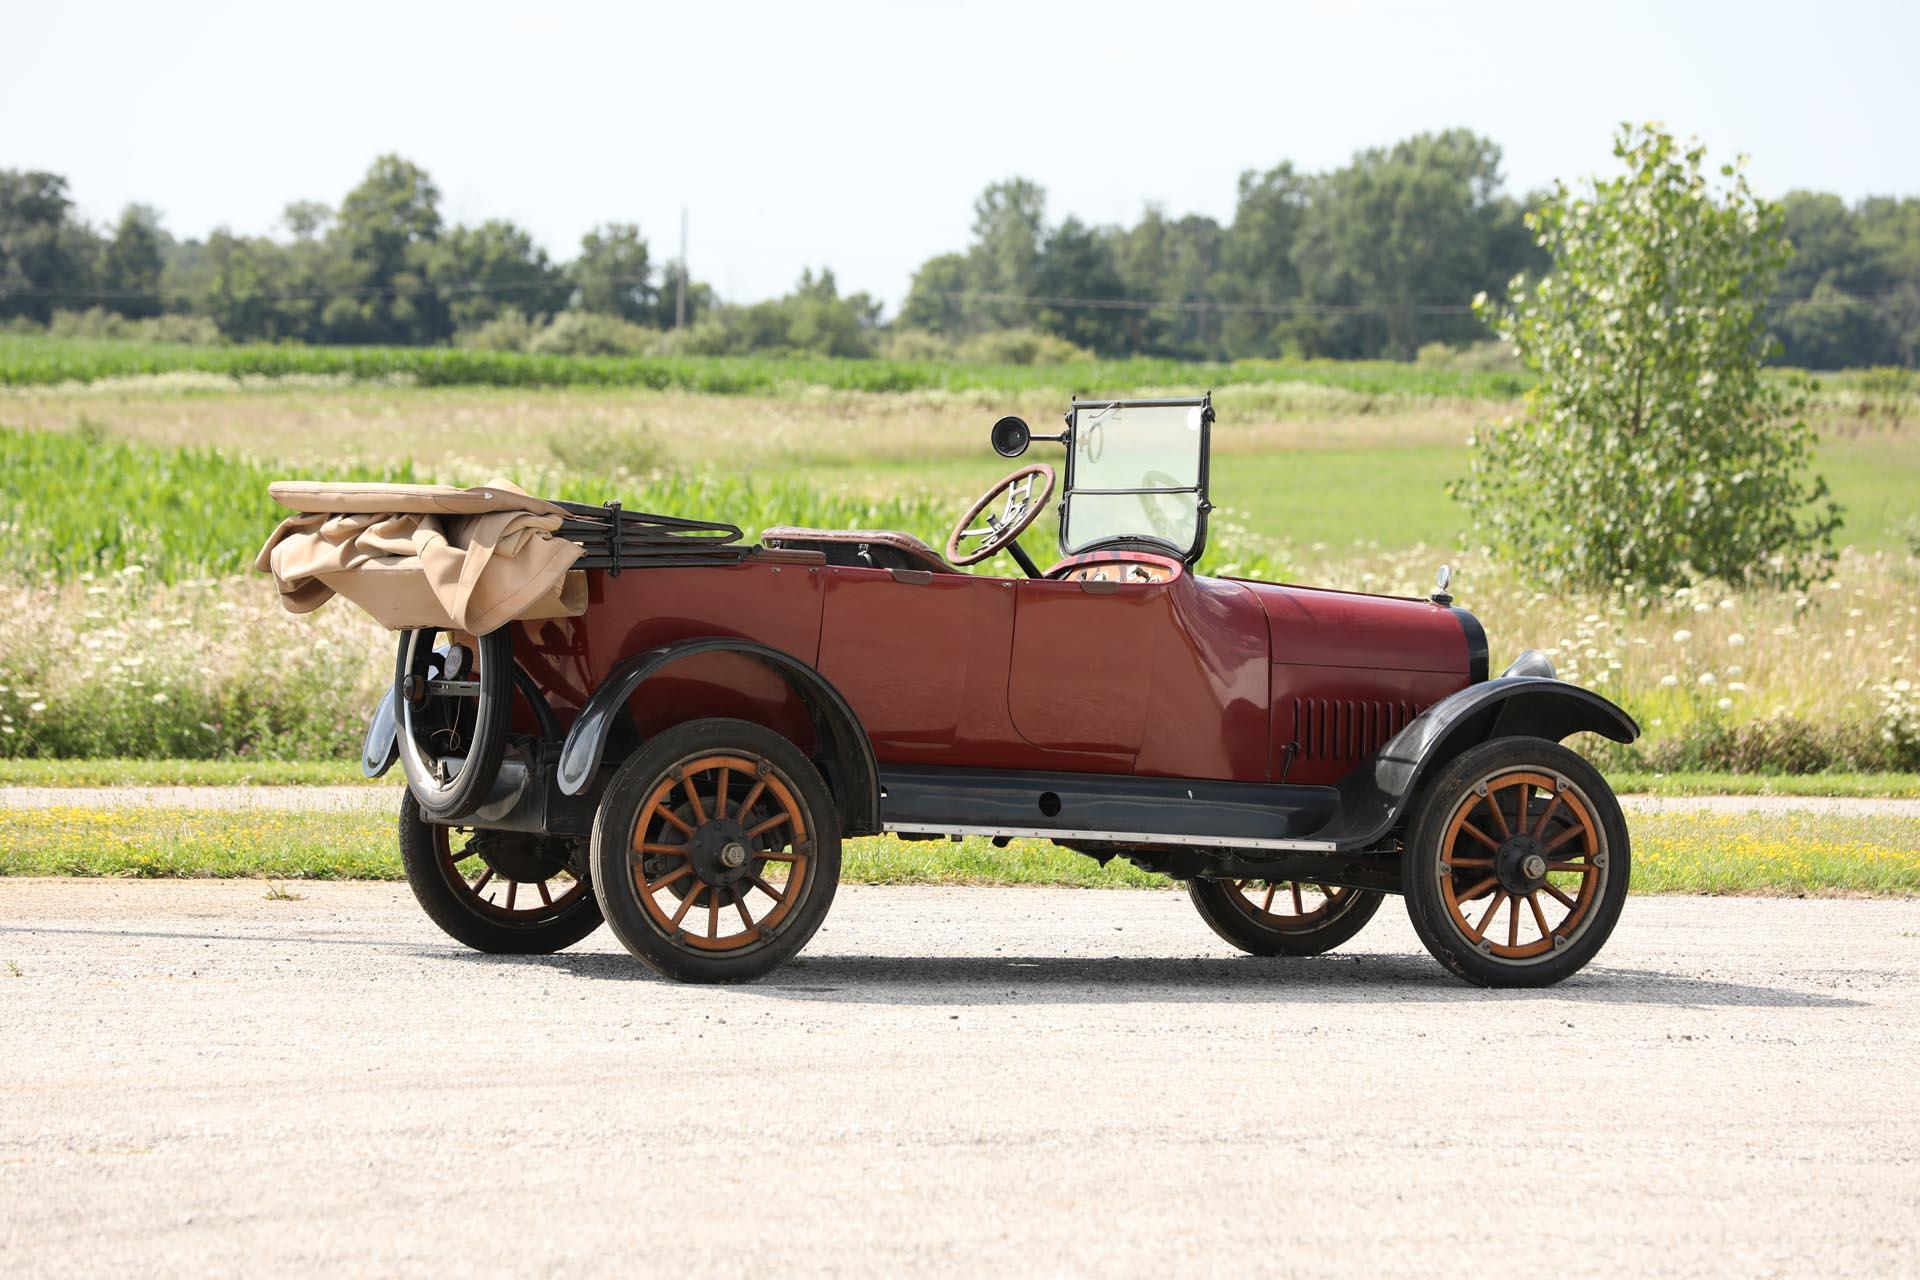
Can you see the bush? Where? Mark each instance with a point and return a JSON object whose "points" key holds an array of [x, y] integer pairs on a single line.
{"points": [[97, 323], [1022, 346], [915, 344], [587, 333], [609, 450], [1481, 357], [1654, 450], [508, 331]]}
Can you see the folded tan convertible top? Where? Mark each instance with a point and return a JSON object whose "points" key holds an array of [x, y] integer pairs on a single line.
{"points": [[403, 499], [419, 555]]}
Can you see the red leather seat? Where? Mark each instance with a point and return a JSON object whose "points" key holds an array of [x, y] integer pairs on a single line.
{"points": [[860, 548]]}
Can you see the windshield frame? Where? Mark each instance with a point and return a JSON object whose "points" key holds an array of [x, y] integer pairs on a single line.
{"points": [[1144, 541]]}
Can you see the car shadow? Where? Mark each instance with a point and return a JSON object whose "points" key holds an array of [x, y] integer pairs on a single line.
{"points": [[1319, 980], [962, 980]]}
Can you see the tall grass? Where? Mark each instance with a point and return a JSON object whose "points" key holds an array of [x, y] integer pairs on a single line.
{"points": [[73, 503], [77, 502]]}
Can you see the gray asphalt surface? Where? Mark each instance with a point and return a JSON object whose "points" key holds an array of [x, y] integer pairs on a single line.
{"points": [[383, 799], [196, 1079]]}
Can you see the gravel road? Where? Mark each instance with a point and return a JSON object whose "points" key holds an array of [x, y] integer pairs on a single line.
{"points": [[197, 1079], [384, 799]]}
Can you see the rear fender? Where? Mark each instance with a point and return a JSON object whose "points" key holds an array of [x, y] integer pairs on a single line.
{"points": [[852, 773], [1374, 798], [381, 747]]}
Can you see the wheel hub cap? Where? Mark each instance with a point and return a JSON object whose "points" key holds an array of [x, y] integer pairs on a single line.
{"points": [[1521, 865], [720, 853]]}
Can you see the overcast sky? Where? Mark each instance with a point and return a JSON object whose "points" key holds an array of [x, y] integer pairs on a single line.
{"points": [[855, 135]]}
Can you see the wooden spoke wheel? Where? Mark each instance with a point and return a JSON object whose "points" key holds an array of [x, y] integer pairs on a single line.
{"points": [[498, 891], [716, 851], [1518, 866], [1283, 917]]}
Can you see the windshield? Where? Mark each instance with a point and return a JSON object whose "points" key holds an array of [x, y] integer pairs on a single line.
{"points": [[1136, 472]]}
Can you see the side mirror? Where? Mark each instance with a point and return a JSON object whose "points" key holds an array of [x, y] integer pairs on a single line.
{"points": [[1011, 436]]}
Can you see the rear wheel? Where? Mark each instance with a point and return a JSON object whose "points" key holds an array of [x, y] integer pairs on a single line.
{"points": [[1282, 917], [1518, 863], [716, 851], [506, 892]]}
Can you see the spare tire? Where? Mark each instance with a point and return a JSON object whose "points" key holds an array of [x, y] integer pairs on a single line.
{"points": [[453, 708]]}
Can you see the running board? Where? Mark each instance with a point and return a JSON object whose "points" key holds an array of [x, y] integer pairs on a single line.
{"points": [[1118, 808]]}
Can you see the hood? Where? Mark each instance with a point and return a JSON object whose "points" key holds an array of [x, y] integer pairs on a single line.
{"points": [[1311, 626]]}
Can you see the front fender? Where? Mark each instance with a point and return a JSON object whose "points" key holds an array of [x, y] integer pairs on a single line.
{"points": [[1375, 796], [853, 773]]}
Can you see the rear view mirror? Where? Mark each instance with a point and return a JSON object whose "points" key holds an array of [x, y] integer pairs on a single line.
{"points": [[1011, 436]]}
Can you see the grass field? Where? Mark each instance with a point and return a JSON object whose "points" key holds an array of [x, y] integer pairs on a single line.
{"points": [[1673, 853]]}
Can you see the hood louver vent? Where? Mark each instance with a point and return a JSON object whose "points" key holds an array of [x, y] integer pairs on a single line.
{"points": [[1347, 729]]}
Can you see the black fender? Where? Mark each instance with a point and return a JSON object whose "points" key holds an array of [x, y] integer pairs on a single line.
{"points": [[382, 745], [852, 772], [1375, 796]]}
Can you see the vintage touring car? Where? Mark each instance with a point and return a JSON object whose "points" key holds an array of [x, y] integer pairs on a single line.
{"points": [[682, 751]]}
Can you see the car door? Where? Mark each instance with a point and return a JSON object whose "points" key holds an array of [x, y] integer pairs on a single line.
{"points": [[922, 659], [1083, 659]]}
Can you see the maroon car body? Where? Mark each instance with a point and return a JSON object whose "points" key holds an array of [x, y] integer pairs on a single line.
{"points": [[1187, 677], [1252, 738]]}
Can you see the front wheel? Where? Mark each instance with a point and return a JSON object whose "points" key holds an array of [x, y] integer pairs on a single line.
{"points": [[1282, 917], [1518, 862], [716, 851]]}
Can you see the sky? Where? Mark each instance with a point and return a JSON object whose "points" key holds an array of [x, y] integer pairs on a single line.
{"points": [[856, 135]]}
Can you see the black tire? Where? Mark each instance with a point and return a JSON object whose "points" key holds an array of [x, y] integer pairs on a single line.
{"points": [[744, 793], [516, 860], [480, 730], [1337, 915], [1468, 845]]}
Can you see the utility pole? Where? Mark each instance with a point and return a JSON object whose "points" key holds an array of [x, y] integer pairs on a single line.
{"points": [[680, 277]]}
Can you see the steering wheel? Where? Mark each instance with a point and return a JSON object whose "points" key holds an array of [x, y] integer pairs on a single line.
{"points": [[1018, 509]]}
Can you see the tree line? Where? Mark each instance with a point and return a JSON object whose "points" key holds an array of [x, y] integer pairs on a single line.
{"points": [[1378, 258]]}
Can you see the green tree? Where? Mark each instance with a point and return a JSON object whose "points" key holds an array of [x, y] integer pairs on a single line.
{"points": [[307, 219], [131, 264], [936, 299], [820, 321], [1403, 230], [243, 287], [383, 240], [1172, 261], [1077, 261], [480, 272], [1009, 224], [613, 276], [46, 256], [1652, 449], [1257, 276]]}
